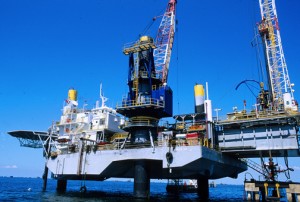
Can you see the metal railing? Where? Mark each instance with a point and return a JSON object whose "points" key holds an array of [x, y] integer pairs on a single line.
{"points": [[254, 115], [141, 102], [136, 46]]}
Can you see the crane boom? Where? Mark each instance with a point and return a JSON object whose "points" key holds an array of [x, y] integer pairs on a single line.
{"points": [[164, 41], [280, 87]]}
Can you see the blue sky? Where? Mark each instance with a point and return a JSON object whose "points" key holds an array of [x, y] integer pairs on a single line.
{"points": [[47, 47]]}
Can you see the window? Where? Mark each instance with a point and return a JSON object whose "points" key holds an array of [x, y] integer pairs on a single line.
{"points": [[102, 122]]}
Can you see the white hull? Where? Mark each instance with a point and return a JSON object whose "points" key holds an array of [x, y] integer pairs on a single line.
{"points": [[188, 162]]}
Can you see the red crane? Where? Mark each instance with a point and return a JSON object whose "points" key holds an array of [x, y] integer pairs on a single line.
{"points": [[164, 41]]}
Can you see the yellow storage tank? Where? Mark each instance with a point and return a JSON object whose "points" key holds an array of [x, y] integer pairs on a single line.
{"points": [[146, 39], [72, 95], [199, 90], [199, 98]]}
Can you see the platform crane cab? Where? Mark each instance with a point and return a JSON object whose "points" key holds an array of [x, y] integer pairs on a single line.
{"points": [[280, 93], [145, 86]]}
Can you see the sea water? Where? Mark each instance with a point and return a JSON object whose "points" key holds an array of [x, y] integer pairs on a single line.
{"points": [[30, 189]]}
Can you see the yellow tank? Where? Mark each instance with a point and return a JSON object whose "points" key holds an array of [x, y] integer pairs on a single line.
{"points": [[199, 90], [72, 95], [199, 98], [146, 39]]}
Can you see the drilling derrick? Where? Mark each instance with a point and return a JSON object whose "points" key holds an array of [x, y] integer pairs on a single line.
{"points": [[281, 96]]}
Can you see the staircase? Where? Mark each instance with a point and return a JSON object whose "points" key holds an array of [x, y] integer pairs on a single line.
{"points": [[255, 166]]}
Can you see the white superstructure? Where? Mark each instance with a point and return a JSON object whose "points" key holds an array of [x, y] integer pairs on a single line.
{"points": [[96, 125]]}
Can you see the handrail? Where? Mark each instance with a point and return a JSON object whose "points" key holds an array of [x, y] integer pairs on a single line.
{"points": [[119, 136], [243, 115], [136, 46], [142, 102], [145, 121]]}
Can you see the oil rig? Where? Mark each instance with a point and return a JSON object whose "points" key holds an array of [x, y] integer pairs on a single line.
{"points": [[129, 141]]}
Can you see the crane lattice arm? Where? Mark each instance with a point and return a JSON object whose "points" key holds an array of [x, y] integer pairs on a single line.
{"points": [[280, 87], [164, 41]]}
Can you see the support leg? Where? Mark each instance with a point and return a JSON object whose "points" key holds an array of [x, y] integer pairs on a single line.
{"points": [[256, 196], [141, 180], [297, 196], [263, 194], [61, 185], [289, 197], [45, 178], [47, 155], [203, 188]]}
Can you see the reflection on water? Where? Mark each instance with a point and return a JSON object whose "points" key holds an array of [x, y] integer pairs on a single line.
{"points": [[30, 189]]}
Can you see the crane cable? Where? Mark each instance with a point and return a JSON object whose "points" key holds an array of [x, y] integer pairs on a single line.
{"points": [[255, 43], [177, 64], [258, 54], [147, 28]]}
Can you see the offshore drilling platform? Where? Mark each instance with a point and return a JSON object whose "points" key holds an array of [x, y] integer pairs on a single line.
{"points": [[128, 142]]}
